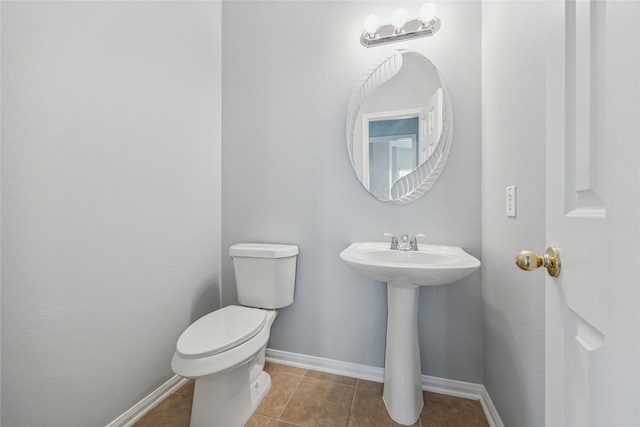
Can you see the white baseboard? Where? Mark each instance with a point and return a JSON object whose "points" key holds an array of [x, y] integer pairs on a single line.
{"points": [[138, 410], [354, 370], [489, 410], [331, 366]]}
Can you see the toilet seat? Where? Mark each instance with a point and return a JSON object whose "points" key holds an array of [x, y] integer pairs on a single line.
{"points": [[220, 331]]}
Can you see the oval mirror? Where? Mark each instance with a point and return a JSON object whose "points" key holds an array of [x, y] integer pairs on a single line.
{"points": [[399, 128]]}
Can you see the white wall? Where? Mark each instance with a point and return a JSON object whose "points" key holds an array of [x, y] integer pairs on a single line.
{"points": [[513, 134], [110, 200], [287, 176]]}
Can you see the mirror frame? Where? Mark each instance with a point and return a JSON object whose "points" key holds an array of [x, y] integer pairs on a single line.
{"points": [[416, 183]]}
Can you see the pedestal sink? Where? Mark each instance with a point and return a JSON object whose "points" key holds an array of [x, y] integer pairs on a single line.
{"points": [[405, 272]]}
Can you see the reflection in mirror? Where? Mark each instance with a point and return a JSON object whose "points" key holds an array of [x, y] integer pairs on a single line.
{"points": [[399, 128], [392, 152]]}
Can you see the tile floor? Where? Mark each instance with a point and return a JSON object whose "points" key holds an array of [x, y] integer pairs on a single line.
{"points": [[300, 397]]}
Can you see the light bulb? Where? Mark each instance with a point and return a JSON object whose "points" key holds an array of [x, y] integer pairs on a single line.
{"points": [[398, 19], [427, 13], [371, 25]]}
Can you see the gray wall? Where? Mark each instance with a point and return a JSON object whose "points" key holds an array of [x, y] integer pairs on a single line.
{"points": [[111, 193], [110, 200], [513, 121], [287, 176]]}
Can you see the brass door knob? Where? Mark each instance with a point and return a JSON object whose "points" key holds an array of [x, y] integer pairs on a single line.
{"points": [[529, 260]]}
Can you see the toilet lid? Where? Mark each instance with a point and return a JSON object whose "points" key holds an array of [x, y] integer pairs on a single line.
{"points": [[221, 330]]}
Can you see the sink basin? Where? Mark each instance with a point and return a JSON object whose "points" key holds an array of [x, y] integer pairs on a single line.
{"points": [[405, 272], [431, 265]]}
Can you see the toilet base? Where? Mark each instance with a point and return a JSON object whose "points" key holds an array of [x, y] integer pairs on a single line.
{"points": [[230, 398]]}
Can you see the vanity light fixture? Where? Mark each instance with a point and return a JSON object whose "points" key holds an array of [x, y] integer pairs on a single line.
{"points": [[427, 24]]}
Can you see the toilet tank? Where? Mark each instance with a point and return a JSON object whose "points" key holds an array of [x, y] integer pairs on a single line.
{"points": [[265, 273]]}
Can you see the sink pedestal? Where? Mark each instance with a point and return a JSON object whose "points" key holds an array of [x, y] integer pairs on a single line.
{"points": [[404, 272], [402, 374]]}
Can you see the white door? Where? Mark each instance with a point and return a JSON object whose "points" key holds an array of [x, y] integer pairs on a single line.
{"points": [[592, 214]]}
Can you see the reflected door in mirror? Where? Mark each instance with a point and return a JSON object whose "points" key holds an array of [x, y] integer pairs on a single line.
{"points": [[399, 128], [393, 151]]}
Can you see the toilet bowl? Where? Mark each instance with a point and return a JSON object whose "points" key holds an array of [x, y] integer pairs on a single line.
{"points": [[224, 351], [230, 381]]}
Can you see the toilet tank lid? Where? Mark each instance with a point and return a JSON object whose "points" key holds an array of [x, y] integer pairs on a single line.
{"points": [[263, 250]]}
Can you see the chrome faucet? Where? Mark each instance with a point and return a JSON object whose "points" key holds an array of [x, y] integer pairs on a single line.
{"points": [[394, 240], [405, 244], [413, 245]]}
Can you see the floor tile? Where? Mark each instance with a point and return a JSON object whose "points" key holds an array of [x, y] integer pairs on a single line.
{"points": [[443, 410], [277, 367], [319, 403], [370, 385], [260, 421], [174, 411], [369, 410], [282, 387], [331, 377], [302, 398]]}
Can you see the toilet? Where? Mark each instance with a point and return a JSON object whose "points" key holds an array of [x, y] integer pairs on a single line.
{"points": [[224, 351]]}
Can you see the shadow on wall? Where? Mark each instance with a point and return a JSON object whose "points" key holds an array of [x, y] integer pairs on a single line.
{"points": [[510, 373], [439, 320], [207, 299]]}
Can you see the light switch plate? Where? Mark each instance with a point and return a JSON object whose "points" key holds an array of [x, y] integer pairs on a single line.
{"points": [[511, 201]]}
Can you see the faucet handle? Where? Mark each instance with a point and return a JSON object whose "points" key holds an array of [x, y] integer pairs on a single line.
{"points": [[394, 240], [413, 245]]}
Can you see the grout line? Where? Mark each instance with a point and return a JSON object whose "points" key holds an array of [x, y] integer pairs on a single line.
{"points": [[290, 396], [353, 402]]}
